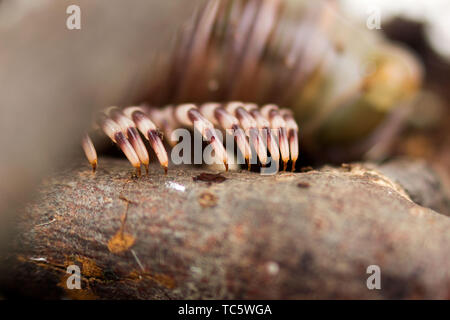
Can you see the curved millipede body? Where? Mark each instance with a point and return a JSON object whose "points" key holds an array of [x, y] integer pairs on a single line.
{"points": [[341, 80], [346, 86]]}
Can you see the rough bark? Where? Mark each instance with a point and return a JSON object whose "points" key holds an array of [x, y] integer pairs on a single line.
{"points": [[292, 235]]}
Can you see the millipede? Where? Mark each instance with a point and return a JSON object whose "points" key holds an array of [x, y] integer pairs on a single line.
{"points": [[271, 73], [267, 129]]}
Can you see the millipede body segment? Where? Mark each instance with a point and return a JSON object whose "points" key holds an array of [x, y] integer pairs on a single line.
{"points": [[266, 129]]}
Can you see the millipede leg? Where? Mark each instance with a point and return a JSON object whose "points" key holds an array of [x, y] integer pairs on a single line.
{"points": [[163, 118], [129, 130], [292, 128], [189, 115], [89, 150], [271, 112], [248, 123], [150, 132], [113, 131], [264, 127], [215, 113]]}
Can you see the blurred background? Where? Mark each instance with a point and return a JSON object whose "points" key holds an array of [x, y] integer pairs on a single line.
{"points": [[423, 27]]}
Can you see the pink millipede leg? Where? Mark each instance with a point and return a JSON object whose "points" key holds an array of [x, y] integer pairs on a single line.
{"points": [[249, 124], [292, 129], [264, 126], [163, 118], [271, 112], [89, 150], [215, 113], [150, 132], [129, 130], [207, 129], [113, 131], [190, 116]]}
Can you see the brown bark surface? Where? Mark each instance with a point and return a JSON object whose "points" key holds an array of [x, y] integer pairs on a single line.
{"points": [[236, 235]]}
